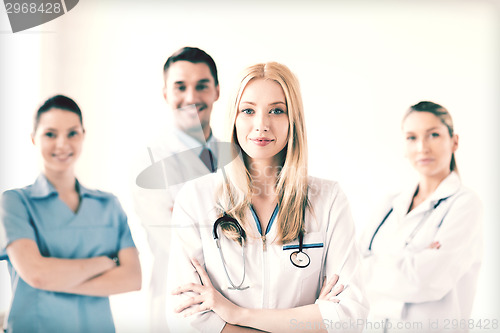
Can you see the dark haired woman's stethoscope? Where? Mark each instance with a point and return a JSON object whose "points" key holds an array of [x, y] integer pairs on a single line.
{"points": [[298, 258], [414, 232]]}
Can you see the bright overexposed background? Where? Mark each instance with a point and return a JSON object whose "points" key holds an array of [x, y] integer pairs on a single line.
{"points": [[361, 64]]}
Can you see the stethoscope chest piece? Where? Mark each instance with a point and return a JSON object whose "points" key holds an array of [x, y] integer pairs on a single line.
{"points": [[300, 258]]}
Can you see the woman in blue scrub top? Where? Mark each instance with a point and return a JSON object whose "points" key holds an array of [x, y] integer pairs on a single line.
{"points": [[68, 247]]}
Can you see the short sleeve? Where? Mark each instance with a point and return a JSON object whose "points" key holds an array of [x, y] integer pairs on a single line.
{"points": [[125, 237], [15, 220]]}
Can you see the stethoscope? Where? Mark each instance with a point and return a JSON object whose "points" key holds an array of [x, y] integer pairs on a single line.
{"points": [[298, 258], [415, 230], [231, 220]]}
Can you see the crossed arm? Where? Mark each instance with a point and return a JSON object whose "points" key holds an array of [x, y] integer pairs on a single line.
{"points": [[240, 319], [209, 310], [428, 275], [98, 276]]}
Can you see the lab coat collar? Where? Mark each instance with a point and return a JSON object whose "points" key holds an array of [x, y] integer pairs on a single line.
{"points": [[42, 188], [448, 187]]}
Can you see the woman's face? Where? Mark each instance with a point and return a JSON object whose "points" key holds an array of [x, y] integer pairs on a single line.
{"points": [[428, 144], [59, 137], [262, 120]]}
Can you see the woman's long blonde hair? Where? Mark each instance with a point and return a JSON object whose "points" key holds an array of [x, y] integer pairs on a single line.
{"points": [[234, 196]]}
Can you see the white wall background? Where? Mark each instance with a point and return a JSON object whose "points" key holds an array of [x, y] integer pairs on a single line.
{"points": [[361, 64]]}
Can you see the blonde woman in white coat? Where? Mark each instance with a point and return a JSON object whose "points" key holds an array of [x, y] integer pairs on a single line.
{"points": [[423, 251], [280, 273]]}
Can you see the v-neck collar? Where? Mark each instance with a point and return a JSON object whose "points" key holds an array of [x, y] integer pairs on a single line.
{"points": [[42, 188], [448, 187], [271, 220]]}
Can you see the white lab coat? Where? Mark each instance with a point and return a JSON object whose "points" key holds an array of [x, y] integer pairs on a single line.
{"points": [[414, 283], [272, 279], [154, 206]]}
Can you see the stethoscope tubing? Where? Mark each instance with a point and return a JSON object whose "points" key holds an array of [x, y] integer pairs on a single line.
{"points": [[378, 228], [298, 258], [415, 230], [228, 219]]}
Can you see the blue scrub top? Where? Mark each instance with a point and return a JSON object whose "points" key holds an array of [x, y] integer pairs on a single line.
{"points": [[99, 228]]}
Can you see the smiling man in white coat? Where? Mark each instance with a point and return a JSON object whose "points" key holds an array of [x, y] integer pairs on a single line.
{"points": [[185, 151]]}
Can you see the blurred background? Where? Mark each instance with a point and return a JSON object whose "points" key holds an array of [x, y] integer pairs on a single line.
{"points": [[361, 64]]}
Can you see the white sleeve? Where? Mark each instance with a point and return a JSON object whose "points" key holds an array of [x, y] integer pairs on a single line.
{"points": [[153, 206], [186, 244], [343, 259], [430, 274]]}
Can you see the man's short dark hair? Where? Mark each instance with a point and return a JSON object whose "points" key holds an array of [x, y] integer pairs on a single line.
{"points": [[194, 55]]}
